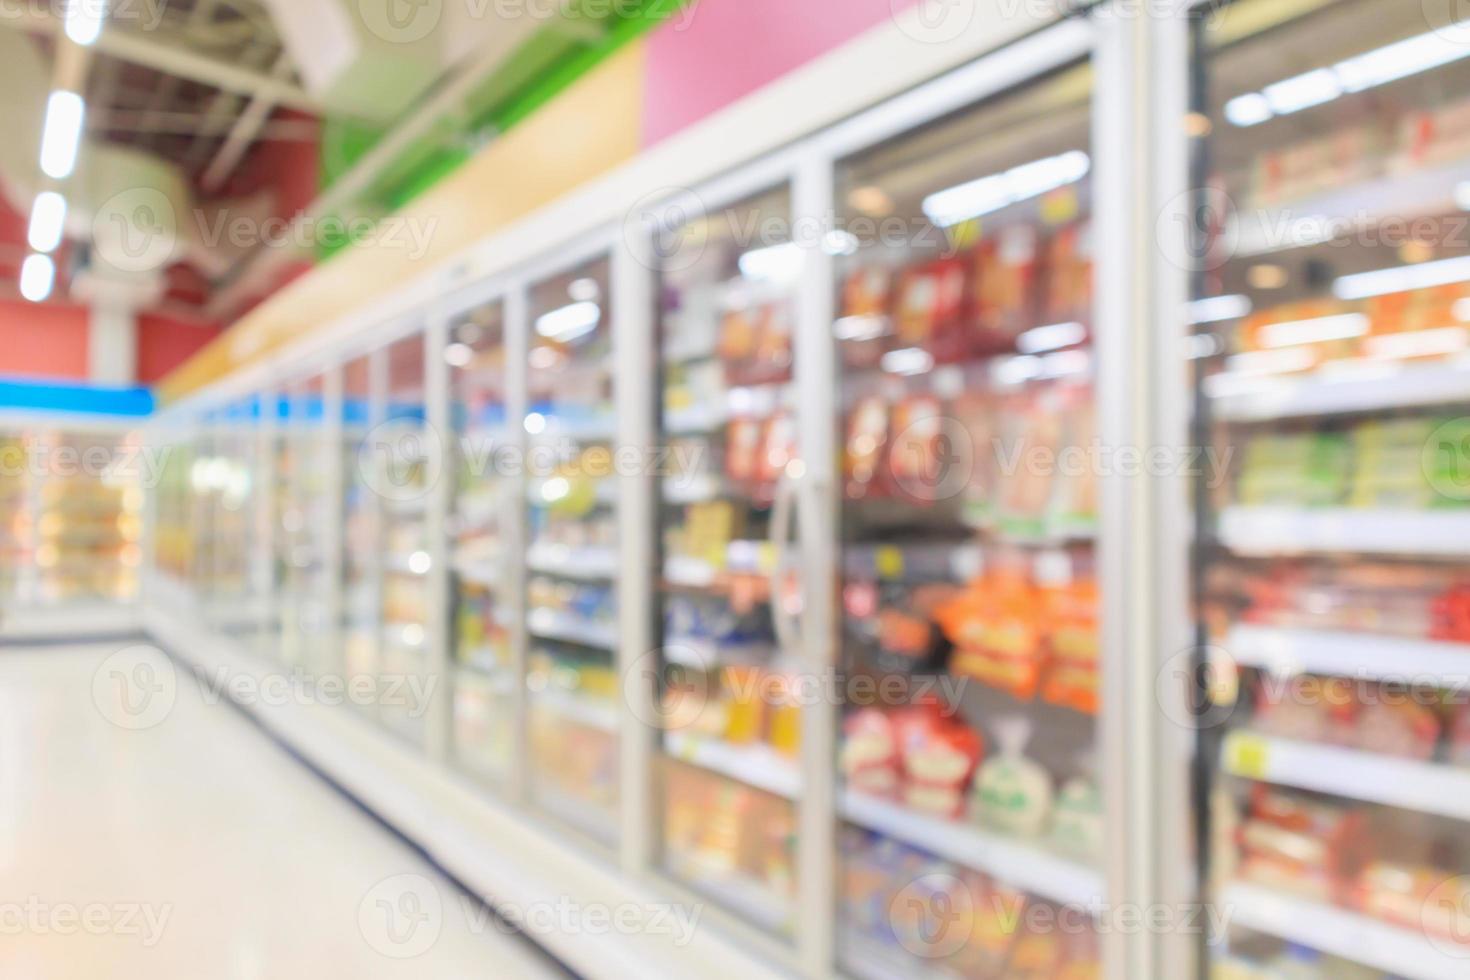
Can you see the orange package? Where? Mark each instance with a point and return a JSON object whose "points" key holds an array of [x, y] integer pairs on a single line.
{"points": [[1072, 679], [996, 627]]}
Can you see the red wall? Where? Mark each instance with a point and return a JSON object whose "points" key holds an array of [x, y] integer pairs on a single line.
{"points": [[45, 341], [165, 343]]}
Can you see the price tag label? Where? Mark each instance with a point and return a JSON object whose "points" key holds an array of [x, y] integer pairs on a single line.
{"points": [[1247, 755], [889, 562]]}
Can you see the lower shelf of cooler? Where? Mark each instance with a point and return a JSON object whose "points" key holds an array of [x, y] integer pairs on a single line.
{"points": [[1349, 935]]}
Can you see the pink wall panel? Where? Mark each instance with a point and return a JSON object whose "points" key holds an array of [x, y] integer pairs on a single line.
{"points": [[719, 50]]}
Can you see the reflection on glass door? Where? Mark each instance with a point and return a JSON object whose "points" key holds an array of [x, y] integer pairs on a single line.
{"points": [[304, 626], [401, 448], [969, 601], [1333, 349], [485, 503], [235, 614], [727, 428], [571, 613], [362, 535]]}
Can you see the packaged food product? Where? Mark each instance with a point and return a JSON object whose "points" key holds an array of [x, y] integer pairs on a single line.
{"points": [[1460, 737], [743, 447], [914, 456], [1013, 794], [1072, 677], [870, 758], [1077, 826], [1005, 272], [1068, 271], [1416, 897], [940, 754], [931, 304], [867, 440], [996, 627], [1309, 847], [778, 448]]}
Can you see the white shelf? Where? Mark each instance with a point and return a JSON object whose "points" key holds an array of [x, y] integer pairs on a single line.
{"points": [[1292, 530], [479, 571], [754, 765], [548, 624], [591, 564], [1298, 651], [704, 654], [693, 489], [1369, 388], [1425, 787], [690, 572], [1019, 863], [1271, 228], [600, 428], [748, 898], [695, 421], [1349, 935], [580, 708]]}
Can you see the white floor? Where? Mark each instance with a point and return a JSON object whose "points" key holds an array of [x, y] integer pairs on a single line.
{"points": [[196, 849]]}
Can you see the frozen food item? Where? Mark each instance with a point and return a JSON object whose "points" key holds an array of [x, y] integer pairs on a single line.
{"points": [[996, 626], [940, 754], [1304, 707], [1032, 428], [1013, 793], [1397, 726], [1068, 271], [931, 305], [867, 442], [868, 291], [914, 456], [1416, 897], [1005, 272], [1077, 825], [1295, 470], [977, 413], [778, 448], [1294, 843], [1460, 737], [743, 448], [1073, 677], [870, 757]]}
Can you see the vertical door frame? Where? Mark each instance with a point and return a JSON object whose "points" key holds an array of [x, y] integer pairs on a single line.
{"points": [[1142, 201], [438, 421]]}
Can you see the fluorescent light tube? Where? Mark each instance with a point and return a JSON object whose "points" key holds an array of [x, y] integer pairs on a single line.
{"points": [[1418, 343], [910, 360], [65, 113], [775, 263], [84, 20], [989, 194], [1314, 331], [1218, 308], [1303, 91], [48, 221], [1052, 337], [1402, 278], [37, 276], [568, 323], [1250, 109]]}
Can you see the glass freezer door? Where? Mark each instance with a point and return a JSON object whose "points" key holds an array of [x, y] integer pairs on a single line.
{"points": [[484, 506], [1331, 312], [362, 549], [728, 766], [571, 558], [970, 798]]}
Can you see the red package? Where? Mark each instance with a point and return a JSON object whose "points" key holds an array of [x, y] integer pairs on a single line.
{"points": [[940, 755], [913, 458], [867, 438], [1068, 292], [778, 447], [1005, 271], [742, 449], [931, 303], [870, 758]]}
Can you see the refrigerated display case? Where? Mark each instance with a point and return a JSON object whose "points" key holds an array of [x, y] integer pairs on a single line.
{"points": [[301, 534], [362, 552], [571, 525], [1332, 297]]}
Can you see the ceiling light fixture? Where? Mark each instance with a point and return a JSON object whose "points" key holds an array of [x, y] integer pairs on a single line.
{"points": [[48, 222], [84, 21], [62, 136], [37, 277]]}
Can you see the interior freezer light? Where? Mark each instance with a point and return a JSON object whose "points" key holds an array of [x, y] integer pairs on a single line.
{"points": [[1060, 364], [1392, 62], [1315, 330], [84, 20], [774, 263], [840, 242], [37, 276], [1219, 308], [861, 327], [1016, 370], [1402, 278], [420, 562], [1303, 91], [1052, 337], [62, 136], [909, 360], [48, 221], [1258, 362], [459, 355], [584, 290], [1418, 343], [978, 198], [1250, 109], [568, 323], [535, 423]]}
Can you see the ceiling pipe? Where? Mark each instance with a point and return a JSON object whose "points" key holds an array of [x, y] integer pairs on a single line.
{"points": [[256, 272], [172, 58], [244, 132]]}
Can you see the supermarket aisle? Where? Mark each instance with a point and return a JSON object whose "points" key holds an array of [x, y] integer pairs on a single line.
{"points": [[197, 848]]}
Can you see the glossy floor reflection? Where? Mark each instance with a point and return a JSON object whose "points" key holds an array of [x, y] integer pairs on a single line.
{"points": [[194, 847]]}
